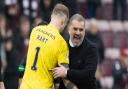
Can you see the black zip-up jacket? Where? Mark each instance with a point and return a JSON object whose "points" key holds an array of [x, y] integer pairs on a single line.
{"points": [[82, 63]]}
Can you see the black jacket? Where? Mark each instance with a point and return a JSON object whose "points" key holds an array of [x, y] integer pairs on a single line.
{"points": [[83, 64]]}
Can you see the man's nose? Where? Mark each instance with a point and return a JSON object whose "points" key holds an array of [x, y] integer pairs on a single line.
{"points": [[78, 32]]}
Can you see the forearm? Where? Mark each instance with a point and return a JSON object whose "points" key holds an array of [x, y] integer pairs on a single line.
{"points": [[20, 81], [56, 86], [2, 85], [56, 83], [69, 85]]}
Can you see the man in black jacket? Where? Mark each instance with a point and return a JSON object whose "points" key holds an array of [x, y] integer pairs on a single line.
{"points": [[83, 57]]}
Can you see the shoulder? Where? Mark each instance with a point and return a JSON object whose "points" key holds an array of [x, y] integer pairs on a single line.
{"points": [[90, 48], [89, 44], [62, 41], [38, 27]]}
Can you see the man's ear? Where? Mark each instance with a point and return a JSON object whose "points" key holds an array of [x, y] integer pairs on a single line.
{"points": [[62, 22], [68, 29], [51, 15]]}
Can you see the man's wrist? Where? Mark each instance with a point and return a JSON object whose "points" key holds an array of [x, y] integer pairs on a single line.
{"points": [[65, 75]]}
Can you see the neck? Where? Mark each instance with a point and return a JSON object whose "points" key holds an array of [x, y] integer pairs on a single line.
{"points": [[56, 23], [70, 43]]}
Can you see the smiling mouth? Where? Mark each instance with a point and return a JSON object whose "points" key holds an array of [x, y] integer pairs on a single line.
{"points": [[77, 38]]}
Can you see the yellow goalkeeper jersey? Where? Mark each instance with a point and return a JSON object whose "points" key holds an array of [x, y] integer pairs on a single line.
{"points": [[47, 49]]}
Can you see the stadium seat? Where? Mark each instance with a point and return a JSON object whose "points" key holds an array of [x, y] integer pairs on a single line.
{"points": [[107, 9], [116, 26], [126, 14], [82, 7], [120, 40], [112, 53], [106, 33], [119, 34], [125, 24], [103, 25], [106, 68]]}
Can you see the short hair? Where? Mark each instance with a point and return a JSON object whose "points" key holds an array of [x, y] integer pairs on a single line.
{"points": [[77, 17], [60, 10]]}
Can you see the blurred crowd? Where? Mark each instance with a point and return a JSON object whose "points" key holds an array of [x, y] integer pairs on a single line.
{"points": [[18, 17]]}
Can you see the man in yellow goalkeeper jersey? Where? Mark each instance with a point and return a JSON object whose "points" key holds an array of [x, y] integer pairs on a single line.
{"points": [[47, 49]]}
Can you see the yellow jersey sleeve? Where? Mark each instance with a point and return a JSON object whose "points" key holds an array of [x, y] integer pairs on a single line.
{"points": [[63, 56]]}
